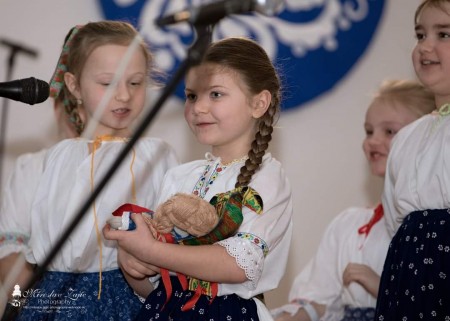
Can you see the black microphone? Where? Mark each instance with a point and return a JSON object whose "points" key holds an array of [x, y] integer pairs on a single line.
{"points": [[30, 90], [213, 12]]}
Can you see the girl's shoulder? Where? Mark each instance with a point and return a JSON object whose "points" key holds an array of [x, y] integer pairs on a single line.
{"points": [[153, 145], [350, 219], [188, 167], [353, 214], [66, 145], [271, 170]]}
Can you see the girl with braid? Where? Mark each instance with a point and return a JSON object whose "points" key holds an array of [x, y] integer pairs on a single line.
{"points": [[232, 102], [83, 281]]}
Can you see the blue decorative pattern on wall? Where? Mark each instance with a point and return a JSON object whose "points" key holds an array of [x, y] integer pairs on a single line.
{"points": [[313, 43]]}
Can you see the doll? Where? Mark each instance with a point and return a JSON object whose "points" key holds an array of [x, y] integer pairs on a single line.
{"points": [[190, 220]]}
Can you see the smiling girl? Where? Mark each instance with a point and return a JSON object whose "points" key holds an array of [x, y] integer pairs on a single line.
{"points": [[341, 281], [232, 100], [87, 265], [415, 283]]}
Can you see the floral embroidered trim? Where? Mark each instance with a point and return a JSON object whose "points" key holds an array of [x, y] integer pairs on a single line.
{"points": [[212, 170], [13, 238], [202, 185], [255, 240]]}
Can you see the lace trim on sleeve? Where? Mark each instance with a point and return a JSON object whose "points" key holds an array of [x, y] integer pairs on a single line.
{"points": [[249, 252]]}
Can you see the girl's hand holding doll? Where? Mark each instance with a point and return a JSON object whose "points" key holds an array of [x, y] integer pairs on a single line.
{"points": [[131, 242]]}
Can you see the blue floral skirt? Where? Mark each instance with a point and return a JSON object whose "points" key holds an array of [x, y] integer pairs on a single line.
{"points": [[222, 308], [358, 314], [415, 283], [74, 296]]}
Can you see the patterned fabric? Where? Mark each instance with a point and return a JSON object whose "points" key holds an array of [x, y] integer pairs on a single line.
{"points": [[223, 308], [255, 240], [57, 81], [415, 284], [229, 209], [63, 296], [358, 314], [207, 179], [13, 238]]}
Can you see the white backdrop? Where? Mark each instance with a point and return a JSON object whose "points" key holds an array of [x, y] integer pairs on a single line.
{"points": [[319, 143]]}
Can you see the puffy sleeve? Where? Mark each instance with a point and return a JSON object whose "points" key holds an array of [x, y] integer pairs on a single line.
{"points": [[417, 170], [262, 243], [15, 227]]}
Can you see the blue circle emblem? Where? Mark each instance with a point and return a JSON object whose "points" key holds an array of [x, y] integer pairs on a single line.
{"points": [[314, 44]]}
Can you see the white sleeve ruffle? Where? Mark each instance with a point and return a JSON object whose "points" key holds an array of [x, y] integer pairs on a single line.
{"points": [[249, 257]]}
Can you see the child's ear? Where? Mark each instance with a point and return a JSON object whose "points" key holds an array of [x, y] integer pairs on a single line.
{"points": [[71, 83], [261, 102]]}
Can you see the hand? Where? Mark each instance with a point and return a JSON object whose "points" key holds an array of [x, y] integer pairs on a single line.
{"points": [[363, 275], [137, 243], [134, 267]]}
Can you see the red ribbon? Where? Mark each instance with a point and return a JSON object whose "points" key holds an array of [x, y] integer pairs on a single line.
{"points": [[128, 207], [377, 215]]}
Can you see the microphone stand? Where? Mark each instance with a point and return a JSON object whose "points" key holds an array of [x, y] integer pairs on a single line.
{"points": [[194, 56], [15, 49]]}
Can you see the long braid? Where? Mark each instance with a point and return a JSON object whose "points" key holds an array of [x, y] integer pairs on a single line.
{"points": [[258, 148]]}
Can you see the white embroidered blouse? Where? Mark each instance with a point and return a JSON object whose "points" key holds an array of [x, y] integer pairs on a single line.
{"points": [[273, 227]]}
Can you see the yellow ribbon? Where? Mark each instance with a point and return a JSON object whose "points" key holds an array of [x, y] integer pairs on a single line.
{"points": [[96, 144]]}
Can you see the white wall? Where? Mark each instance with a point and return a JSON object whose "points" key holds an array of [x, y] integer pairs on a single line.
{"points": [[319, 144]]}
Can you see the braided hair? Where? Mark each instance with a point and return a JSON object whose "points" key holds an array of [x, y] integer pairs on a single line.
{"points": [[255, 68]]}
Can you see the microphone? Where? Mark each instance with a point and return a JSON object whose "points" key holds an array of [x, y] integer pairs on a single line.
{"points": [[213, 12], [30, 90], [18, 47]]}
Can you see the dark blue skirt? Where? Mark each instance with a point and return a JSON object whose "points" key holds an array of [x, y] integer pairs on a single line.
{"points": [[73, 296], [415, 283], [358, 314], [222, 308]]}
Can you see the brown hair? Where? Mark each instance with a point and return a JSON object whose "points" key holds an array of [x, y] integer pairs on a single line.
{"points": [[250, 61], [86, 39], [411, 94], [429, 3]]}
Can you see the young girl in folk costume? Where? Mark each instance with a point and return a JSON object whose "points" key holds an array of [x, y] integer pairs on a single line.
{"points": [[415, 283], [341, 281], [232, 101], [84, 277]]}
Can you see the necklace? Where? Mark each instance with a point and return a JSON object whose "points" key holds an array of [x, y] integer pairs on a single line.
{"points": [[236, 160]]}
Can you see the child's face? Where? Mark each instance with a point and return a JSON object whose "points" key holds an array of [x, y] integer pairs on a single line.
{"points": [[219, 111], [431, 56], [127, 100], [384, 119]]}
